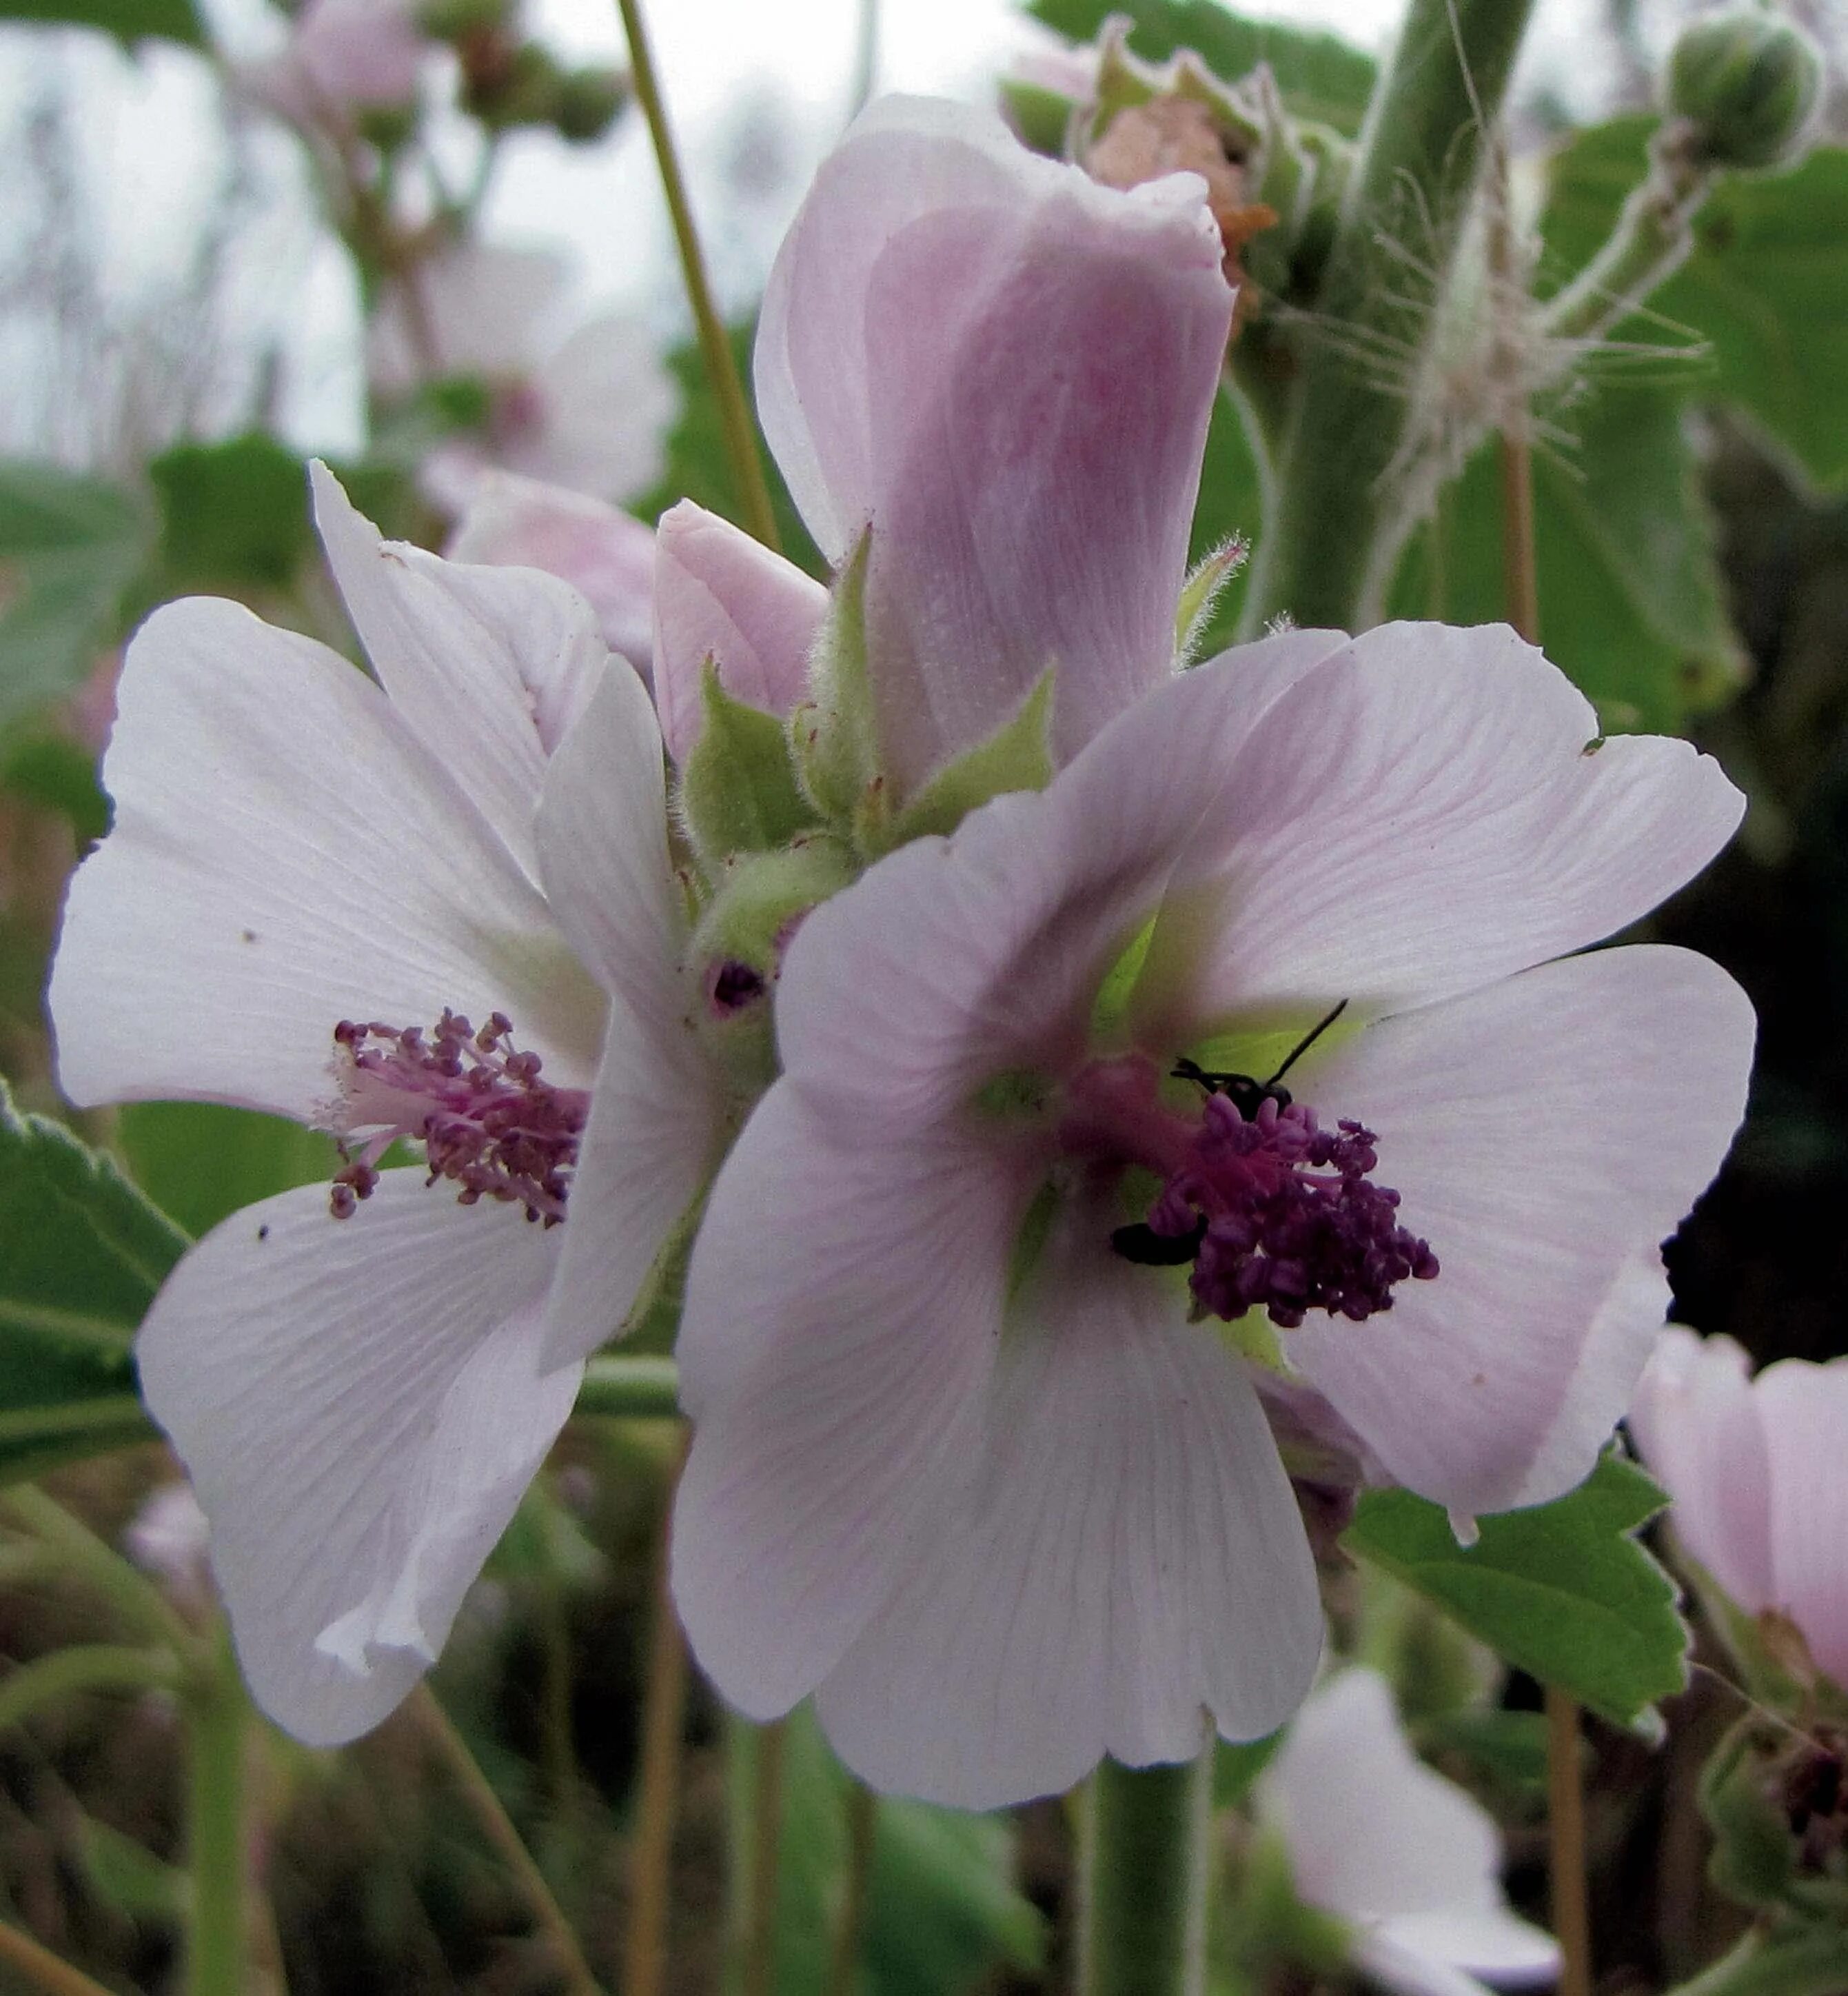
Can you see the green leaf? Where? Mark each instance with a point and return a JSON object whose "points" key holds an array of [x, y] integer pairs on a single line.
{"points": [[69, 549], [1322, 76], [128, 20], [233, 515], [59, 775], [81, 1254], [201, 1161], [1237, 1767], [1630, 595], [1762, 287], [124, 1873], [698, 466], [1563, 1591], [940, 1911]]}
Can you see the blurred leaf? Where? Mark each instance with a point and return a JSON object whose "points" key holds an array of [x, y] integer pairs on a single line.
{"points": [[1235, 1768], [233, 515], [69, 549], [130, 20], [78, 1667], [1562, 1590], [81, 1254], [1511, 1747], [1631, 604], [201, 1161], [699, 467], [1764, 287], [1322, 76], [941, 1911], [58, 775]]}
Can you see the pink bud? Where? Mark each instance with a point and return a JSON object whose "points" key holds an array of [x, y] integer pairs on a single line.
{"points": [[719, 594]]}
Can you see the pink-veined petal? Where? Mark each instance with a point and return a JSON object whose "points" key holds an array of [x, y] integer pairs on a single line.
{"points": [[1120, 1551], [359, 1404], [954, 959], [607, 556], [842, 1311], [1804, 1409], [720, 595], [286, 853], [1007, 371], [655, 1111], [1424, 815], [1543, 1132], [1699, 1425], [490, 665]]}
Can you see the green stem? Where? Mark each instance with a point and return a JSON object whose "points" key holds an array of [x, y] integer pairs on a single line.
{"points": [[715, 346], [1565, 1841], [766, 1857], [82, 1667], [630, 1388], [862, 1828], [1144, 1879], [137, 1603], [1349, 406], [1653, 235], [217, 1938], [42, 1969]]}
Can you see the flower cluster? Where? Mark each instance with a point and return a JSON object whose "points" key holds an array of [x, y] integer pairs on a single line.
{"points": [[998, 887]]}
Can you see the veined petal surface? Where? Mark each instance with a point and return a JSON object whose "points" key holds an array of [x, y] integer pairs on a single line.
{"points": [[360, 1406]]}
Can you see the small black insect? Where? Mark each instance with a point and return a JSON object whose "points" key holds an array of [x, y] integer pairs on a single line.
{"points": [[1139, 1242], [1246, 1093]]}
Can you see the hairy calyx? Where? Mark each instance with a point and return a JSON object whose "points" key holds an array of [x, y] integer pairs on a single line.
{"points": [[1272, 1210], [479, 1106]]}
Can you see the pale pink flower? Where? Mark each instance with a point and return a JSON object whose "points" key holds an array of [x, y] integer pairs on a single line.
{"points": [[309, 872], [1006, 371], [168, 1537], [343, 57], [607, 556], [588, 409], [964, 1469], [1755, 1468], [1408, 1860]]}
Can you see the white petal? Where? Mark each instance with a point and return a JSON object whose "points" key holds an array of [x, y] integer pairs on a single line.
{"points": [[1421, 816], [1124, 1551], [489, 665], [1408, 1971], [843, 1308], [608, 402], [286, 853], [1420, 1844], [1803, 1408], [1544, 1133], [479, 308], [1698, 1427], [1488, 1941], [359, 1406]]}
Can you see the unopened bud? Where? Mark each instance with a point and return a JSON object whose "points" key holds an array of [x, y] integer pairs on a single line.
{"points": [[589, 102], [1749, 83]]}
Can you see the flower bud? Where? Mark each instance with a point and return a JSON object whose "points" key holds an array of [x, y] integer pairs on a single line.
{"points": [[1776, 1797], [1750, 82], [589, 102]]}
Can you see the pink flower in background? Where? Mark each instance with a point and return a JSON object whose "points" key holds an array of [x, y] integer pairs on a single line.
{"points": [[311, 874], [1407, 1859], [168, 1537], [1755, 1468], [343, 57], [1007, 372], [967, 1466], [588, 409], [607, 556]]}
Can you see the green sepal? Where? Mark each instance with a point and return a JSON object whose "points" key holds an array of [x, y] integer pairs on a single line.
{"points": [[739, 792], [1753, 1861], [1017, 756], [1201, 593], [831, 736], [757, 899]]}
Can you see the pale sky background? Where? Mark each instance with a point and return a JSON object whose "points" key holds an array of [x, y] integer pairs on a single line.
{"points": [[758, 91]]}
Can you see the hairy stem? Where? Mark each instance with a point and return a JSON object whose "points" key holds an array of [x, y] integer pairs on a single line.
{"points": [[218, 1928], [1144, 1879], [714, 348], [497, 1826], [1565, 1842], [664, 1709], [1348, 408]]}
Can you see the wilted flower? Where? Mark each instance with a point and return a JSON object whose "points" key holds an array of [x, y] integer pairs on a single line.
{"points": [[588, 411], [972, 1465], [1407, 1860], [1754, 1467], [437, 908]]}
